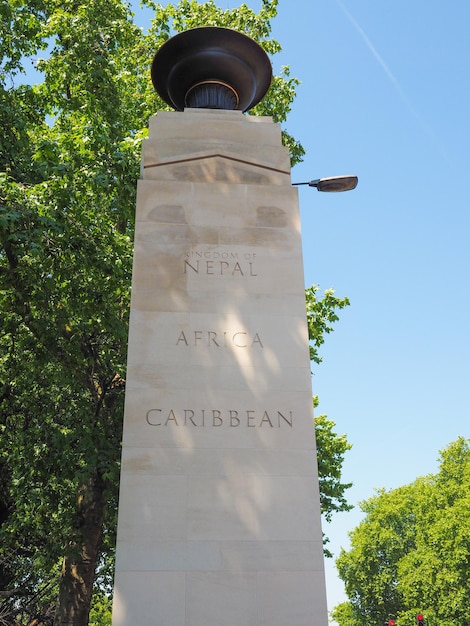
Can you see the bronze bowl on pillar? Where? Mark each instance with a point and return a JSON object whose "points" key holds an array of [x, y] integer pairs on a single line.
{"points": [[213, 68]]}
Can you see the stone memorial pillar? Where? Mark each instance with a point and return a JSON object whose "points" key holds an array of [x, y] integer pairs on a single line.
{"points": [[219, 511]]}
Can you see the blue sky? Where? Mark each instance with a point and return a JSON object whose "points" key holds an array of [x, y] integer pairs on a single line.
{"points": [[385, 90], [384, 95]]}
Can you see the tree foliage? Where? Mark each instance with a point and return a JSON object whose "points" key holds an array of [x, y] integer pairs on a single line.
{"points": [[69, 161], [331, 449], [321, 315], [411, 553]]}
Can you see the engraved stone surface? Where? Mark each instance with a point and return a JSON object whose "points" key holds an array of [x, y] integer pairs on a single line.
{"points": [[219, 512]]}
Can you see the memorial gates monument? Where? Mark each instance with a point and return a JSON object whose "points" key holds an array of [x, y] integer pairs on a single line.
{"points": [[219, 511]]}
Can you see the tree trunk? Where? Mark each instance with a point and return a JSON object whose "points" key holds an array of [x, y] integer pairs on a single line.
{"points": [[78, 570]]}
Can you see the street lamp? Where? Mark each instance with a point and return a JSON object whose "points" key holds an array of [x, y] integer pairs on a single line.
{"points": [[333, 183]]}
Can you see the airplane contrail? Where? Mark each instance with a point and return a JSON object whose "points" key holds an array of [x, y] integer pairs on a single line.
{"points": [[393, 80]]}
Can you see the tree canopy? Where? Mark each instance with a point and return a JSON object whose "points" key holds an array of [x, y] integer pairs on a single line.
{"points": [[69, 162], [411, 553]]}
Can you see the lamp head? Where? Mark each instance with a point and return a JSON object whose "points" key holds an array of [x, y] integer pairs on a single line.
{"points": [[333, 183]]}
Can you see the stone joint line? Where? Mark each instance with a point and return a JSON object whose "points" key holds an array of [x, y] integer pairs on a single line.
{"points": [[222, 156]]}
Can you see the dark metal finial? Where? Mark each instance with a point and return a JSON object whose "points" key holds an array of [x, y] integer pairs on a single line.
{"points": [[213, 68]]}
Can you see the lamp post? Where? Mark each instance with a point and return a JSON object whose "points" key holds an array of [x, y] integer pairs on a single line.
{"points": [[333, 183]]}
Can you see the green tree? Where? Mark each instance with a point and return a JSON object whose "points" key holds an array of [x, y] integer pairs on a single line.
{"points": [[331, 449], [69, 161], [369, 569], [434, 577], [411, 553], [321, 315], [343, 614]]}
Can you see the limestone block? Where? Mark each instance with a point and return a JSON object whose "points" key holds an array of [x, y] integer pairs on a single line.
{"points": [[215, 146], [225, 126], [153, 598], [164, 461]]}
